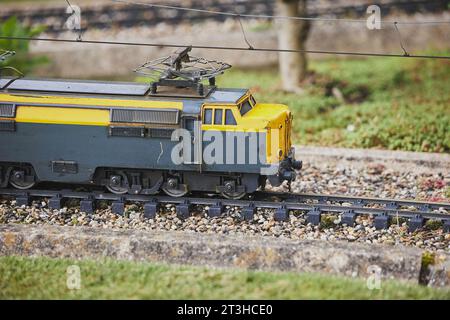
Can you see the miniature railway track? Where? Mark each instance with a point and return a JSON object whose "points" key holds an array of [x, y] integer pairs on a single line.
{"points": [[348, 207], [122, 15]]}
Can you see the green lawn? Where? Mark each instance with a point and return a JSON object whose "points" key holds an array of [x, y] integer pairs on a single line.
{"points": [[389, 103], [43, 278]]}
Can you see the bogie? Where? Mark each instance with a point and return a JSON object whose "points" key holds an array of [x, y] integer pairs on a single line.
{"points": [[175, 184]]}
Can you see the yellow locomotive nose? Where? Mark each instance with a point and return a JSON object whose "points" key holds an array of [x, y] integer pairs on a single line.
{"points": [[272, 122], [279, 146], [279, 123]]}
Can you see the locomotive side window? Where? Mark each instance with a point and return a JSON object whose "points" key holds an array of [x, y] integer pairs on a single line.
{"points": [[207, 118], [253, 101], [218, 116], [229, 117], [245, 107]]}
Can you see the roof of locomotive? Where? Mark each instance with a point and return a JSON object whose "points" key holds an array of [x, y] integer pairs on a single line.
{"points": [[114, 89]]}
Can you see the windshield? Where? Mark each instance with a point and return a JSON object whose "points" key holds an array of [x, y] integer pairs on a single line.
{"points": [[245, 107]]}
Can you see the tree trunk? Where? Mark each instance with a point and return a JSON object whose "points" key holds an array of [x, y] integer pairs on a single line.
{"points": [[292, 34]]}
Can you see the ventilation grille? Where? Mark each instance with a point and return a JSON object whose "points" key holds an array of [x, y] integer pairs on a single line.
{"points": [[65, 167], [7, 110], [160, 133], [145, 116], [6, 125], [127, 132]]}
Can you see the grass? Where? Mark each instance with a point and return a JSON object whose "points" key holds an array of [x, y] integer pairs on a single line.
{"points": [[385, 103], [44, 278]]}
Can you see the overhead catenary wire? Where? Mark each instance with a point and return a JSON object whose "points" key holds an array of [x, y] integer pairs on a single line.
{"points": [[400, 40], [70, 5], [250, 47], [238, 16], [276, 17], [243, 30], [173, 45]]}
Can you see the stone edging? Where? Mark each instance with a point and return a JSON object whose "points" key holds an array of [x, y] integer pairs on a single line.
{"points": [[222, 251]]}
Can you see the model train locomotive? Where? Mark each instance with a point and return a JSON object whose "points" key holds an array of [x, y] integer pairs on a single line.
{"points": [[131, 137]]}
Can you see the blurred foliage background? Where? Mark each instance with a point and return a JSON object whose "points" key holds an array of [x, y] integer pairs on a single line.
{"points": [[22, 60]]}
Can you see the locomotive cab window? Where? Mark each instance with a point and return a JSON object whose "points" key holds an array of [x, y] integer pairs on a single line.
{"points": [[207, 116], [218, 115], [245, 107], [229, 118], [252, 101]]}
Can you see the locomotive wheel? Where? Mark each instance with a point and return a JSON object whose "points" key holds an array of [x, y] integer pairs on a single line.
{"points": [[230, 191], [17, 179], [174, 189], [233, 195], [176, 193], [115, 184], [117, 190]]}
